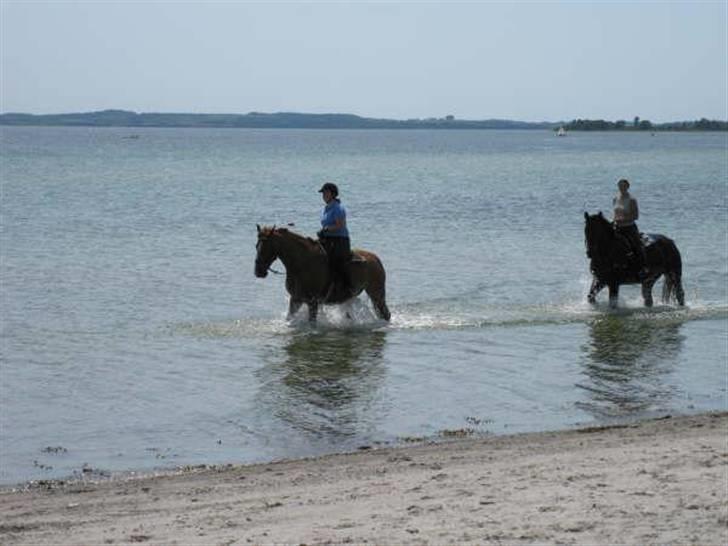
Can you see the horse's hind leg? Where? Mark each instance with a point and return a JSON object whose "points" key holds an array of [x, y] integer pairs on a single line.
{"points": [[613, 295], [673, 286], [647, 285], [382, 309], [679, 292], [377, 295], [312, 311]]}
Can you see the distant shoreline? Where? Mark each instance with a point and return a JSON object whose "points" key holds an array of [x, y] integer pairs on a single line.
{"points": [[256, 120], [288, 120]]}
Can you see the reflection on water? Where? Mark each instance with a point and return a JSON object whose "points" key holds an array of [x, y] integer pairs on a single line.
{"points": [[325, 382], [625, 362]]}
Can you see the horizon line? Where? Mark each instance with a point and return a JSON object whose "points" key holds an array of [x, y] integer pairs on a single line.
{"points": [[449, 117]]}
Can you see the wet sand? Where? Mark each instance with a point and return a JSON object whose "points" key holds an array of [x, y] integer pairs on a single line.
{"points": [[654, 482]]}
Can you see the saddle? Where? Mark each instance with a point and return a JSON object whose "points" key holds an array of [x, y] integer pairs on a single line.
{"points": [[646, 239]]}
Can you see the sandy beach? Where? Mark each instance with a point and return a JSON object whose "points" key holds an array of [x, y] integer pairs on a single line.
{"points": [[662, 481]]}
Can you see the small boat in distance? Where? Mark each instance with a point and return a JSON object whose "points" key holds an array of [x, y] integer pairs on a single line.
{"points": [[561, 132]]}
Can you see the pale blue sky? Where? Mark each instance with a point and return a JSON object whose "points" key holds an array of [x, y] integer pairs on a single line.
{"points": [[533, 61]]}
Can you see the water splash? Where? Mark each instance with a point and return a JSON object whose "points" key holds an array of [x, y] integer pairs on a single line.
{"points": [[359, 316]]}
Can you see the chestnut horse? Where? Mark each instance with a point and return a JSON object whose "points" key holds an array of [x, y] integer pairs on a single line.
{"points": [[308, 277], [611, 264]]}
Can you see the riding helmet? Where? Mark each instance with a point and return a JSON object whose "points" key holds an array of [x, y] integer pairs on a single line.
{"points": [[330, 186]]}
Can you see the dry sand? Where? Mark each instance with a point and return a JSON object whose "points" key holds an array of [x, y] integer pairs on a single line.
{"points": [[654, 482]]}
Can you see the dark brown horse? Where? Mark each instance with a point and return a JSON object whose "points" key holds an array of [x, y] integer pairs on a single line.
{"points": [[611, 264], [308, 277]]}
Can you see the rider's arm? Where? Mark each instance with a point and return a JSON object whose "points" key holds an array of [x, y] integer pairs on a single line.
{"points": [[635, 210], [339, 223]]}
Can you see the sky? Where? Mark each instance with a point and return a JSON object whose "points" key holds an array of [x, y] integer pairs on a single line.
{"points": [[529, 61]]}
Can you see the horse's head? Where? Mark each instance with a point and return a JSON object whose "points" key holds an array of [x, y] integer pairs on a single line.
{"points": [[266, 251], [598, 232]]}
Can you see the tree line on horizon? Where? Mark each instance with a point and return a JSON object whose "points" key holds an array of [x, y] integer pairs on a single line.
{"points": [[638, 124], [256, 120]]}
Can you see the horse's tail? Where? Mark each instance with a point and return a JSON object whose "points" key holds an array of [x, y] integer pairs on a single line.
{"points": [[672, 287]]}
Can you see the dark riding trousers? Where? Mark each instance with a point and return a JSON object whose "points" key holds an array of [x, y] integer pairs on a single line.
{"points": [[632, 235], [338, 250]]}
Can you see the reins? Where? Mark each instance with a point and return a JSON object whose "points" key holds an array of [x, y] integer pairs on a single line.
{"points": [[273, 231]]}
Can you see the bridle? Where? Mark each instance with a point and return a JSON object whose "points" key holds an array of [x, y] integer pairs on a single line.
{"points": [[595, 237], [590, 241], [258, 261]]}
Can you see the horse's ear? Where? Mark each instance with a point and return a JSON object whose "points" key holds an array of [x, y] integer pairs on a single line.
{"points": [[600, 214], [586, 216], [258, 226]]}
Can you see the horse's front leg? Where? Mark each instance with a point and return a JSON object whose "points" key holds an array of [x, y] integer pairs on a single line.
{"points": [[312, 311], [596, 286], [293, 307], [613, 295]]}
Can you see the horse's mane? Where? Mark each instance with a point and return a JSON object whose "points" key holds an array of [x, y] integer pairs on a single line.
{"points": [[599, 217], [268, 231], [600, 240], [598, 220]]}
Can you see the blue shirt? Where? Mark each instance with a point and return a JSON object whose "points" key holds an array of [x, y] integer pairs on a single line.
{"points": [[330, 213]]}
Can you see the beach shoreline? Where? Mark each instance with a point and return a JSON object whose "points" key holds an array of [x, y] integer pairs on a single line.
{"points": [[657, 481]]}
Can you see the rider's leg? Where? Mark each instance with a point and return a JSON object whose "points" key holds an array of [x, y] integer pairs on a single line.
{"points": [[639, 250], [632, 236], [329, 247], [343, 257], [338, 250]]}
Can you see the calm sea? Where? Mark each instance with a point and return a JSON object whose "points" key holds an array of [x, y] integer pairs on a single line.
{"points": [[136, 337]]}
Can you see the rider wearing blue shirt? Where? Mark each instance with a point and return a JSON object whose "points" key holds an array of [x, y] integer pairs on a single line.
{"points": [[333, 220], [334, 235]]}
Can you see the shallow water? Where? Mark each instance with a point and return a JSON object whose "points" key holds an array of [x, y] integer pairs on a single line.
{"points": [[135, 336]]}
